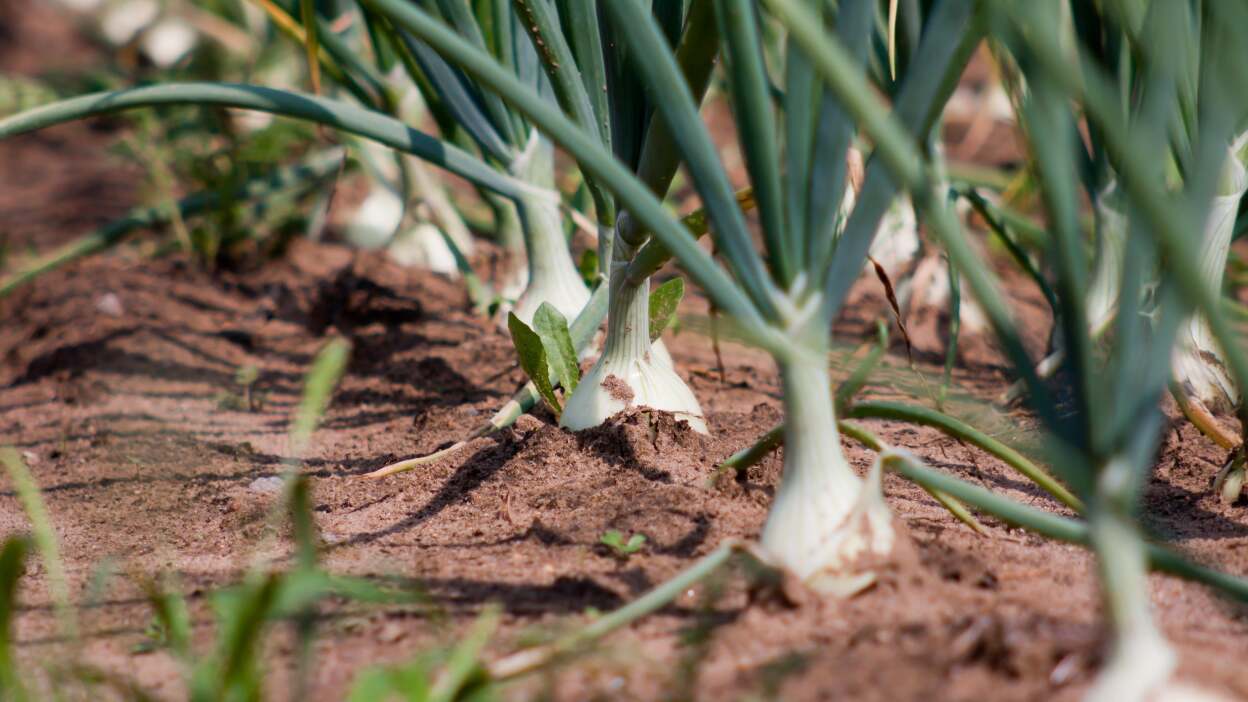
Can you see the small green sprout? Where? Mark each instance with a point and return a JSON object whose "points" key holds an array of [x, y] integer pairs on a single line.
{"points": [[621, 548], [244, 397], [155, 637]]}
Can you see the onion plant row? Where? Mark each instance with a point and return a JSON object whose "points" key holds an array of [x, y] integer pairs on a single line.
{"points": [[1135, 107]]}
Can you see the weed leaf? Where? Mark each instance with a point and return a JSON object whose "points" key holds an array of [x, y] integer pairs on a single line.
{"points": [[663, 302], [532, 359], [552, 329]]}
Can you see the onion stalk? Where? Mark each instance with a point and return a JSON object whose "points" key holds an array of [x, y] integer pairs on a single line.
{"points": [[1111, 424], [635, 369], [825, 523], [1141, 660]]}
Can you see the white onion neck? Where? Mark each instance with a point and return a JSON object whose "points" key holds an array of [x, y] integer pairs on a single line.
{"points": [[628, 311], [826, 525], [552, 275], [813, 459], [1140, 661], [629, 373]]}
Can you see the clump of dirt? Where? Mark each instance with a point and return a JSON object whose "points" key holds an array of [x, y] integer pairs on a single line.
{"points": [[618, 389]]}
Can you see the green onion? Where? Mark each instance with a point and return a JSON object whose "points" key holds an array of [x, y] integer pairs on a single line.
{"points": [[1199, 367], [634, 369]]}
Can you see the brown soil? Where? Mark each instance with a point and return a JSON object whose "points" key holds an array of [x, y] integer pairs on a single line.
{"points": [[117, 385], [58, 183]]}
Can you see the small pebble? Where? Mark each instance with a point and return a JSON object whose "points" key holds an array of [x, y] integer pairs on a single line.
{"points": [[109, 304], [269, 485], [391, 632]]}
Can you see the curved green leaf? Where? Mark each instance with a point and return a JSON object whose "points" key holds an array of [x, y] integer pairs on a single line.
{"points": [[533, 359], [339, 115]]}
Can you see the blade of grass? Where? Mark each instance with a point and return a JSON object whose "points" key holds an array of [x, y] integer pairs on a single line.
{"points": [[307, 12], [318, 387], [12, 567], [529, 660], [752, 454], [44, 537], [465, 658]]}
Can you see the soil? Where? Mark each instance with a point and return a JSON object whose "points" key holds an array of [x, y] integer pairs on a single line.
{"points": [[118, 386]]}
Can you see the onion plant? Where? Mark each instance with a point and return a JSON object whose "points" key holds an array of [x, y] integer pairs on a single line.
{"points": [[1112, 435], [1105, 438], [476, 126], [632, 371], [361, 65]]}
